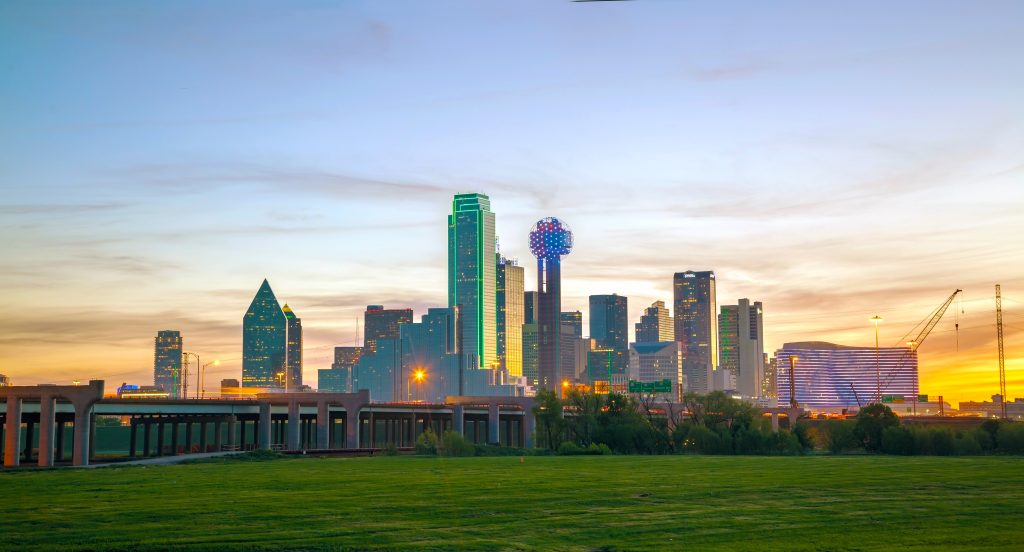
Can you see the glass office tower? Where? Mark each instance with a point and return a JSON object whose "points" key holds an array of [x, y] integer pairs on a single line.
{"points": [[264, 341], [472, 278]]}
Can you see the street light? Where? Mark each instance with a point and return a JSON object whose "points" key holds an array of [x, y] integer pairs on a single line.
{"points": [[876, 320], [202, 377], [565, 387], [419, 375]]}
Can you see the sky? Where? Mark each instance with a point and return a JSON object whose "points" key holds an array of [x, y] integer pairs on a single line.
{"points": [[835, 161]]}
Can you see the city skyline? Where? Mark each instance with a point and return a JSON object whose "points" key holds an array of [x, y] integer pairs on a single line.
{"points": [[770, 163]]}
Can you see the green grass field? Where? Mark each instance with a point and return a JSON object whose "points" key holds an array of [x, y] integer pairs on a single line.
{"points": [[567, 503]]}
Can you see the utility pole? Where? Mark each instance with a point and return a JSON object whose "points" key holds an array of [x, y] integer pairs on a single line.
{"points": [[1002, 359], [878, 371]]}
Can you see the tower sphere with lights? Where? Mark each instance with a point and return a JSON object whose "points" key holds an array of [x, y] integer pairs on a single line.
{"points": [[550, 238]]}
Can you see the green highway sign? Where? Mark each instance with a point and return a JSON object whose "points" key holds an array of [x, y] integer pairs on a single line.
{"points": [[660, 386]]}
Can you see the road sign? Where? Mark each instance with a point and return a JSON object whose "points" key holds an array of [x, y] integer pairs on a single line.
{"points": [[660, 386]]}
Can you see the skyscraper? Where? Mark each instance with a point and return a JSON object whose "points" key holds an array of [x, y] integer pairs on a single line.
{"points": [[471, 277], [550, 240], [338, 378], [655, 325], [380, 323], [696, 327], [293, 358], [530, 307], [167, 362], [741, 341], [431, 345], [531, 353], [609, 322], [264, 341], [574, 321], [509, 298], [656, 361]]}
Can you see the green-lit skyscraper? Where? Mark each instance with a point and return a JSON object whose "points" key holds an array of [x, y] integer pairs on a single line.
{"points": [[471, 277], [264, 341]]}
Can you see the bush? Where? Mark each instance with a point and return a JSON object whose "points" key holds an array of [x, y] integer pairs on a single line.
{"points": [[840, 436], [967, 445], [871, 422], [426, 443], [703, 440], [751, 441], [897, 440], [454, 444], [598, 448], [787, 442], [568, 448], [1010, 438], [991, 426], [984, 440], [942, 441], [804, 436], [391, 449]]}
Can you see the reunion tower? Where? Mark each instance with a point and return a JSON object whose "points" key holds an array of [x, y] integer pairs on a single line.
{"points": [[550, 240]]}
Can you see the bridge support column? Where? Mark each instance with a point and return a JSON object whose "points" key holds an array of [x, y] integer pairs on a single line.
{"points": [[241, 434], [529, 427], [188, 437], [12, 429], [47, 419], [351, 428], [231, 430], [216, 436], [160, 436], [174, 437], [493, 428], [30, 427], [59, 454], [293, 425], [775, 422], [83, 432], [133, 438], [323, 425], [202, 436], [266, 426], [92, 435], [459, 419]]}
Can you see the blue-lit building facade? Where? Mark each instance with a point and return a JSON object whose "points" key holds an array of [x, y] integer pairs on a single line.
{"points": [[832, 378], [264, 341]]}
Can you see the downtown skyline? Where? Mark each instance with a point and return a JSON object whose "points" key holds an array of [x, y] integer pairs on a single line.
{"points": [[830, 204]]}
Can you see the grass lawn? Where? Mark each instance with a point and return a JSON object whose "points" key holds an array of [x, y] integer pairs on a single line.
{"points": [[567, 503]]}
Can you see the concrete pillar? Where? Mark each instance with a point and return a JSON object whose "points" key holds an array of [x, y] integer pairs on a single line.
{"points": [[775, 422], [216, 435], [133, 438], [493, 429], [146, 426], [231, 430], [266, 426], [174, 437], [202, 436], [322, 418], [188, 437], [293, 425], [92, 435], [351, 428], [529, 427], [241, 434], [459, 419], [160, 437], [83, 435], [12, 429], [59, 453]]}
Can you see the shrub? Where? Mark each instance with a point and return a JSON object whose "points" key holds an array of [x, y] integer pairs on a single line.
{"points": [[897, 440], [454, 444], [568, 448], [967, 445], [991, 426], [787, 442], [391, 449], [871, 422], [426, 443], [840, 436], [703, 440], [804, 436], [1010, 438], [984, 440], [751, 441], [942, 441], [598, 448]]}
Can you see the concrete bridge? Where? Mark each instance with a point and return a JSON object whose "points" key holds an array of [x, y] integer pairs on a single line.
{"points": [[278, 421]]}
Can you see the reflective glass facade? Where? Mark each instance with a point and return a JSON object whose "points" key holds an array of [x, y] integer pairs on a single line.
{"points": [[609, 322], [167, 362], [294, 354], [832, 377], [264, 341], [472, 278], [509, 297], [696, 326], [655, 325]]}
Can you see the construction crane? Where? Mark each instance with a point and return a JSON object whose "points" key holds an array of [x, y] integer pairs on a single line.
{"points": [[1002, 359], [915, 343]]}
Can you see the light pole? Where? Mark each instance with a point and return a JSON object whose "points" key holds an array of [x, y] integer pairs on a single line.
{"points": [[202, 377], [184, 393], [565, 387], [282, 377], [876, 320], [419, 375]]}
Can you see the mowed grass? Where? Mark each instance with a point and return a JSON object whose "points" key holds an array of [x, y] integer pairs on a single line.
{"points": [[544, 503]]}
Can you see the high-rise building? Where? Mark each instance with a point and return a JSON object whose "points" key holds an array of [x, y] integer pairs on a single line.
{"points": [[509, 296], [264, 341], [655, 325], [338, 378], [530, 307], [829, 377], [609, 322], [5, 381], [531, 353], [293, 358], [379, 371], [696, 327], [380, 323], [550, 240], [431, 346], [471, 277], [574, 321], [741, 345], [769, 386], [167, 362], [649, 362]]}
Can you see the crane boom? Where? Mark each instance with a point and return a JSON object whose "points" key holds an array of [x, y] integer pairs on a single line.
{"points": [[934, 320], [999, 338]]}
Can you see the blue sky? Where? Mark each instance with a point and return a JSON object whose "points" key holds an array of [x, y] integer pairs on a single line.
{"points": [[831, 160]]}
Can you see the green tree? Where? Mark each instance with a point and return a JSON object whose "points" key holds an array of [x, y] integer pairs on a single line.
{"points": [[840, 436], [550, 421], [871, 422]]}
